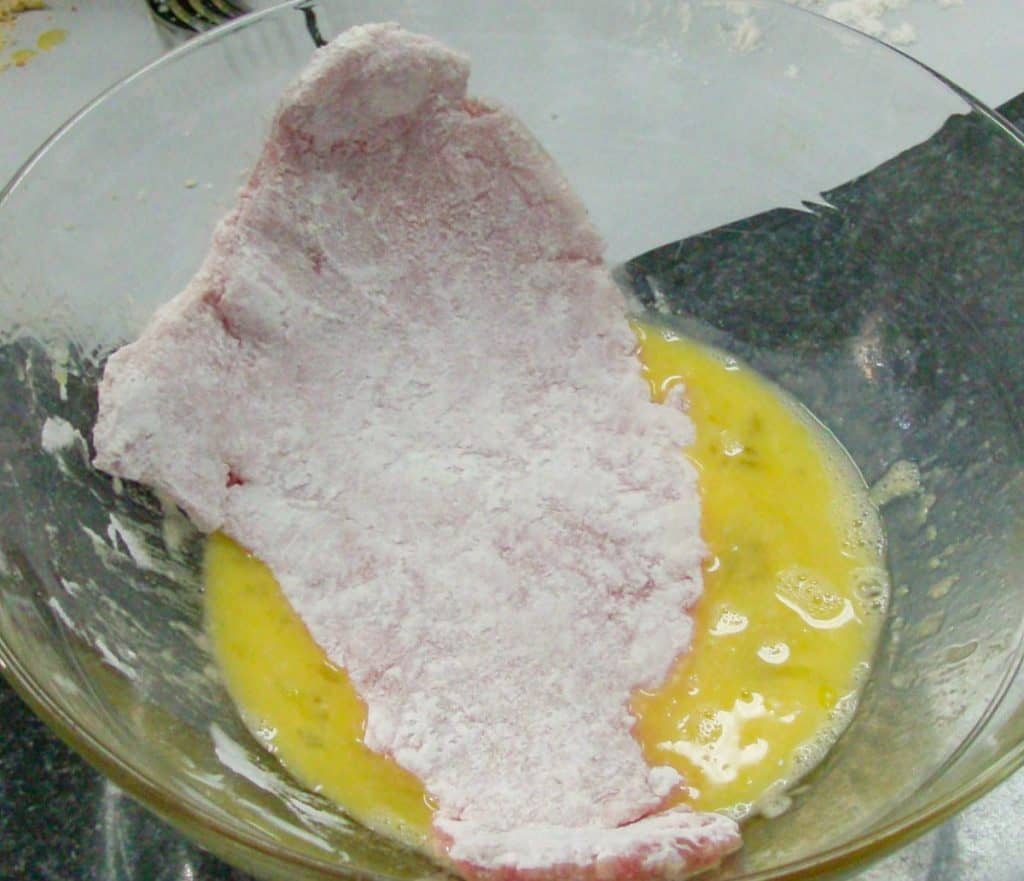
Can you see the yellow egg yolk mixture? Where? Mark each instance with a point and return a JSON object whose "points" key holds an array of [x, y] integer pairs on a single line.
{"points": [[794, 596]]}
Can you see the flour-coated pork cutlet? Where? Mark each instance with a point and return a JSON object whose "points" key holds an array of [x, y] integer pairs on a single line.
{"points": [[404, 379]]}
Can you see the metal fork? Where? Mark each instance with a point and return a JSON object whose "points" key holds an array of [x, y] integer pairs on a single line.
{"points": [[195, 15]]}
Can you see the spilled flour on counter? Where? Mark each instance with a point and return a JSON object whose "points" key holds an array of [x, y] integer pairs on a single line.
{"points": [[872, 17], [403, 379], [882, 19], [59, 434]]}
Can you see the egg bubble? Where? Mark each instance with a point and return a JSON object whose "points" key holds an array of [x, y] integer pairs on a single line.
{"points": [[862, 525], [775, 801], [871, 590]]}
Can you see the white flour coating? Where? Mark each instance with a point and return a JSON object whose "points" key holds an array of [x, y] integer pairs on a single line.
{"points": [[658, 842], [403, 378]]}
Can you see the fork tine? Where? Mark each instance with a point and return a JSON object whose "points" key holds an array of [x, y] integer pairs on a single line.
{"points": [[232, 10], [196, 15], [181, 9], [165, 10], [207, 11]]}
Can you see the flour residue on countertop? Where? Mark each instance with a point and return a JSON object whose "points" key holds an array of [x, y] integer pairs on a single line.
{"points": [[58, 434], [883, 19]]}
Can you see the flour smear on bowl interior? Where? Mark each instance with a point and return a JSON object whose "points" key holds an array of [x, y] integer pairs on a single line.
{"points": [[403, 380]]}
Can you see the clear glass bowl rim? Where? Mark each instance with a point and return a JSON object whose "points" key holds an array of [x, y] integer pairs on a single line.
{"points": [[191, 818]]}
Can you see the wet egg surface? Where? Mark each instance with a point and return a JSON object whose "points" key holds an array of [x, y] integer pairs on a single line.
{"points": [[794, 596], [795, 588]]}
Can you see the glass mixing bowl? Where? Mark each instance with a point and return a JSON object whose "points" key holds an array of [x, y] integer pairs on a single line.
{"points": [[890, 306]]}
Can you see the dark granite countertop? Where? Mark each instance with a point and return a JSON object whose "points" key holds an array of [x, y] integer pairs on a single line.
{"points": [[62, 821]]}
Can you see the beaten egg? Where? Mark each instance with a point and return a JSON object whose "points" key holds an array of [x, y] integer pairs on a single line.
{"points": [[794, 595]]}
